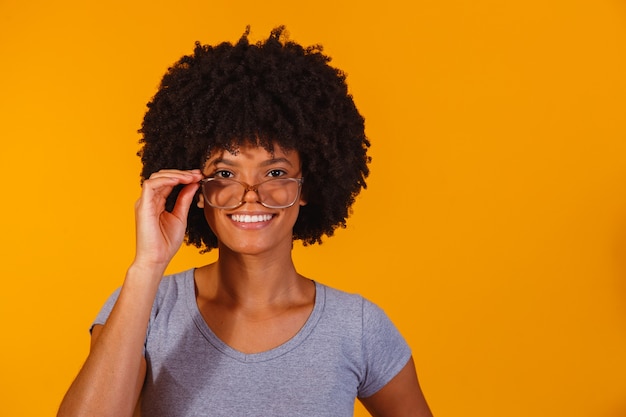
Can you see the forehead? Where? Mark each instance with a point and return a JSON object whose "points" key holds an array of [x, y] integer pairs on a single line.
{"points": [[253, 153]]}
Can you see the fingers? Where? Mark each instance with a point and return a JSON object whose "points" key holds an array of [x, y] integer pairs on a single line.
{"points": [[161, 183], [177, 173], [159, 233], [185, 199], [172, 177]]}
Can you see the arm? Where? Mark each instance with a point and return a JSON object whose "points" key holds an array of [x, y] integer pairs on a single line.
{"points": [[401, 397], [110, 381]]}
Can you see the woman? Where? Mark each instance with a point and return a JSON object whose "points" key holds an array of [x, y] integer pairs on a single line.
{"points": [[246, 148]]}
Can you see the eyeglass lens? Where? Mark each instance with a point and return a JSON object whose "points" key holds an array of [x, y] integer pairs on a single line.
{"points": [[275, 193]]}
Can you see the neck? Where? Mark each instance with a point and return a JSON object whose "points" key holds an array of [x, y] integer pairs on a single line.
{"points": [[254, 280]]}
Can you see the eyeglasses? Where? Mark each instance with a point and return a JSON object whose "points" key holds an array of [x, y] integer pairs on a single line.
{"points": [[275, 193]]}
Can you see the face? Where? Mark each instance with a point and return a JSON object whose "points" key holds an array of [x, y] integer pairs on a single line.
{"points": [[252, 228]]}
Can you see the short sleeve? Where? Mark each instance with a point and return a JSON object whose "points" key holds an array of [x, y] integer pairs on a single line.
{"points": [[385, 352], [106, 309]]}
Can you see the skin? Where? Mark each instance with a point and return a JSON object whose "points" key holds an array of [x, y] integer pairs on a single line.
{"points": [[252, 297]]}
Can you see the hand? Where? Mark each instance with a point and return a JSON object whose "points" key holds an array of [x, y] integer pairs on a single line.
{"points": [[160, 233]]}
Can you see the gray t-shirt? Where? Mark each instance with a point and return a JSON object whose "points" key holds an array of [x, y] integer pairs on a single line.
{"points": [[347, 348]]}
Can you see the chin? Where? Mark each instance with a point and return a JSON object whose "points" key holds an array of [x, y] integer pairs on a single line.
{"points": [[257, 247]]}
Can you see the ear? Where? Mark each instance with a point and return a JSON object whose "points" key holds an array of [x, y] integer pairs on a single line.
{"points": [[200, 202], [303, 200]]}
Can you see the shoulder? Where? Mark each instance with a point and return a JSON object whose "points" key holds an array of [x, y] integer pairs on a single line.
{"points": [[175, 284], [338, 301], [346, 302], [174, 289], [351, 307], [380, 349], [353, 311]]}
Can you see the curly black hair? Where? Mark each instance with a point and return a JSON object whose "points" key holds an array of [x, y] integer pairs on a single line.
{"points": [[271, 92]]}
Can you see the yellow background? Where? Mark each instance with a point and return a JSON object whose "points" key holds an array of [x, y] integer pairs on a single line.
{"points": [[493, 231]]}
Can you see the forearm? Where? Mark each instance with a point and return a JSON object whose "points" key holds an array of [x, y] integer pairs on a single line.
{"points": [[111, 378]]}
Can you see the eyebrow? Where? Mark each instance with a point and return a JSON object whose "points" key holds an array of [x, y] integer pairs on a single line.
{"points": [[268, 162]]}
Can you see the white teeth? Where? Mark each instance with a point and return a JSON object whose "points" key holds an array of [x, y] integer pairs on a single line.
{"points": [[246, 218]]}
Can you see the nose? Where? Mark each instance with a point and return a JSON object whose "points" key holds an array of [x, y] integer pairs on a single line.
{"points": [[251, 195]]}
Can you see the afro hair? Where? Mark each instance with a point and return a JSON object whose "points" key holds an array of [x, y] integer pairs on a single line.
{"points": [[268, 93]]}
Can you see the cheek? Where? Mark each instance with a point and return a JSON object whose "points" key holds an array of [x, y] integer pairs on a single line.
{"points": [[293, 213]]}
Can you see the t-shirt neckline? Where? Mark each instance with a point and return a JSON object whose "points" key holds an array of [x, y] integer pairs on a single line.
{"points": [[189, 294]]}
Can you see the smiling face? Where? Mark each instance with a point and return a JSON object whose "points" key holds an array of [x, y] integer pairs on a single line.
{"points": [[252, 228]]}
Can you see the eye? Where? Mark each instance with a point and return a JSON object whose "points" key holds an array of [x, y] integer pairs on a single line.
{"points": [[275, 173], [222, 173]]}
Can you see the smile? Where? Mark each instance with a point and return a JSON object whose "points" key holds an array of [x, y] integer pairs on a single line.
{"points": [[247, 218]]}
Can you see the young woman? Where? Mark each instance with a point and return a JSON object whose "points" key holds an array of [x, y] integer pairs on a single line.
{"points": [[246, 148]]}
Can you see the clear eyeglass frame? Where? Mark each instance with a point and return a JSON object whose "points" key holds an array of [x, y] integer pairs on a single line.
{"points": [[204, 183]]}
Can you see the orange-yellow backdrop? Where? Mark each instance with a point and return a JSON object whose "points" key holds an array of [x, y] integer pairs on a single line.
{"points": [[493, 231]]}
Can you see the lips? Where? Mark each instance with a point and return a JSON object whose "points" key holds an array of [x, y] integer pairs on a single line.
{"points": [[251, 218]]}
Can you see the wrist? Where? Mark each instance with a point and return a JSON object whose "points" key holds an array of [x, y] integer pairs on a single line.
{"points": [[146, 272]]}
